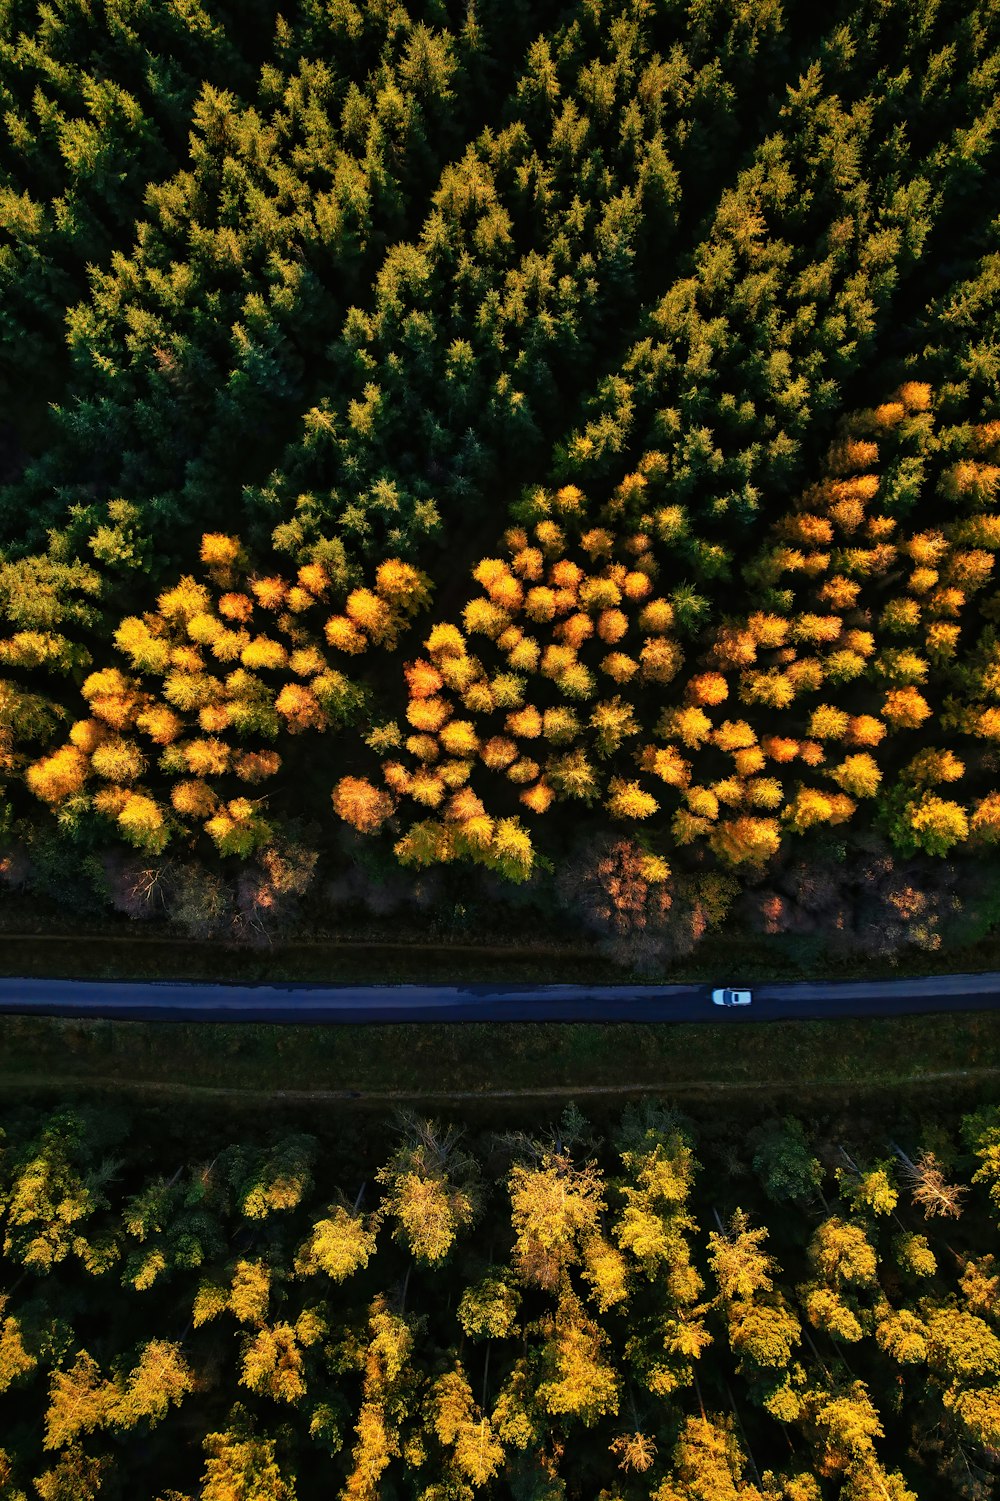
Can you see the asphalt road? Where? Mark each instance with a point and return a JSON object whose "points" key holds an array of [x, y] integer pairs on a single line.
{"points": [[183, 1001]]}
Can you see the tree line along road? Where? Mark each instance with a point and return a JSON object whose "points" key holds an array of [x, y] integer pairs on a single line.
{"points": [[192, 1001]]}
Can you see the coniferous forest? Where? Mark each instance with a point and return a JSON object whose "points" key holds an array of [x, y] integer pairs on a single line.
{"points": [[547, 452]]}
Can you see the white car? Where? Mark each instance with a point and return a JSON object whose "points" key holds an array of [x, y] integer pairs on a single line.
{"points": [[732, 997]]}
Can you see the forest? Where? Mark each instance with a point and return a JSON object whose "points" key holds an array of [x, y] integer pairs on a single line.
{"points": [[512, 453], [659, 1309]]}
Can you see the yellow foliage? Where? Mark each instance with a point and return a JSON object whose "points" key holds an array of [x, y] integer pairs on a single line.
{"points": [[816, 628], [220, 551], [300, 708], [628, 800], [360, 804], [806, 529], [427, 787], [636, 585], [860, 775], [406, 588], [528, 563], [525, 724], [428, 714], [840, 593], [459, 673], [343, 635], [985, 821], [423, 747], [686, 827], [915, 395], [307, 661], [905, 708], [746, 840], [565, 575], [141, 822], [85, 734], [660, 660], [524, 656], [539, 797], [396, 777], [703, 802], [848, 513], [422, 679], [779, 748], [264, 653], [767, 630], [690, 724], [479, 698], [619, 666], [507, 690], [948, 601], [942, 639], [370, 613], [865, 729], [805, 675], [112, 697], [574, 630], [445, 641], [187, 598], [256, 766], [922, 580], [809, 806], [111, 800], [851, 455], [483, 617], [612, 625], [459, 738], [299, 599], [708, 688], [540, 603], [187, 659], [160, 723], [118, 760], [828, 723], [236, 607], [667, 763], [56, 777], [568, 498], [597, 594], [141, 643], [523, 770], [455, 774], [204, 629], [560, 725], [764, 792], [656, 617], [194, 799], [576, 681], [498, 752], [207, 757], [748, 760], [556, 659], [733, 735], [729, 790]]}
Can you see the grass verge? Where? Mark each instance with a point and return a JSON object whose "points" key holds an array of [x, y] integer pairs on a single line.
{"points": [[471, 1060]]}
